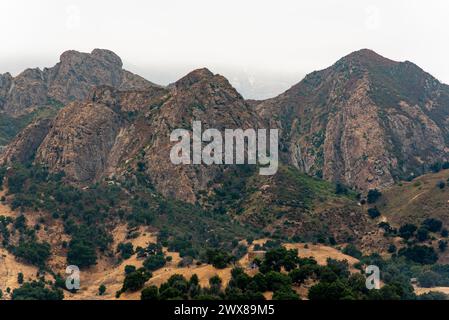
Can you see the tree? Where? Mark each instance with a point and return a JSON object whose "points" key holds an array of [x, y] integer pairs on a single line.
{"points": [[392, 248], [373, 196], [101, 290], [422, 234], [352, 251], [444, 233], [373, 213], [154, 262], [20, 278], [276, 280], [136, 280], [81, 253], [340, 268], [129, 269], [215, 281], [329, 291], [126, 250], [150, 293], [419, 254], [36, 290], [219, 259], [442, 245], [341, 189], [407, 231], [275, 259], [33, 252], [285, 293], [433, 225], [299, 276], [429, 279]]}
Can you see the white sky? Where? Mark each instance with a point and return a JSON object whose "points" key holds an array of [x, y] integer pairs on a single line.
{"points": [[263, 47]]}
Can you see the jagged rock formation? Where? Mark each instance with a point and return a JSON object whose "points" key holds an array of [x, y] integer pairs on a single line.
{"points": [[365, 121], [70, 80]]}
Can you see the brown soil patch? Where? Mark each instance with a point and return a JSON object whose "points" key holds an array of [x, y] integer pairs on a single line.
{"points": [[320, 253], [9, 270]]}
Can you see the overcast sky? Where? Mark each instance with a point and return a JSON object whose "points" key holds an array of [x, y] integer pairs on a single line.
{"points": [[263, 47]]}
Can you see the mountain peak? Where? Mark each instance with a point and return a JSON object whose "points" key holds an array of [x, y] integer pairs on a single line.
{"points": [[72, 56], [367, 57], [195, 76], [107, 55]]}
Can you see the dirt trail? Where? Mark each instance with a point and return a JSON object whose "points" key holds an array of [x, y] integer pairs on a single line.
{"points": [[416, 197]]}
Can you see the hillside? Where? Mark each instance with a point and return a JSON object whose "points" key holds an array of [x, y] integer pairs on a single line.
{"points": [[411, 202]]}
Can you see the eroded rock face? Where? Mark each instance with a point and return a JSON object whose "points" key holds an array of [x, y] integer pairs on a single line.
{"points": [[365, 121], [72, 79], [23, 148], [5, 85]]}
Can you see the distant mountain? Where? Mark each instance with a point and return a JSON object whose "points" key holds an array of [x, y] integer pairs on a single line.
{"points": [[366, 121]]}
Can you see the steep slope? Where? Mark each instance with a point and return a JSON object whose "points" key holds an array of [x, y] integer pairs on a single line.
{"points": [[365, 121]]}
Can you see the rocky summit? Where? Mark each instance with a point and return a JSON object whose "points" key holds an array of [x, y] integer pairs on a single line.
{"points": [[69, 80]]}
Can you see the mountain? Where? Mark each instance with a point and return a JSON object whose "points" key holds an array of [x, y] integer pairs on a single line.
{"points": [[114, 131], [366, 121], [69, 80], [36, 93]]}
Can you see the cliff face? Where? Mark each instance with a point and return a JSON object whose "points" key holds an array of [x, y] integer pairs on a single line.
{"points": [[91, 138], [365, 121], [24, 146], [69, 80]]}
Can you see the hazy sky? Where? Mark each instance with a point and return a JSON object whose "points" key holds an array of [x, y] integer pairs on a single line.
{"points": [[263, 47]]}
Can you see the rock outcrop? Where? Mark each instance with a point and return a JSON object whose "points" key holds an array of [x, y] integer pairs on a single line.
{"points": [[72, 79], [23, 148]]}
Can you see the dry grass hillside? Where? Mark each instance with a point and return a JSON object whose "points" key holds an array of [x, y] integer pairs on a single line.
{"points": [[412, 202]]}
